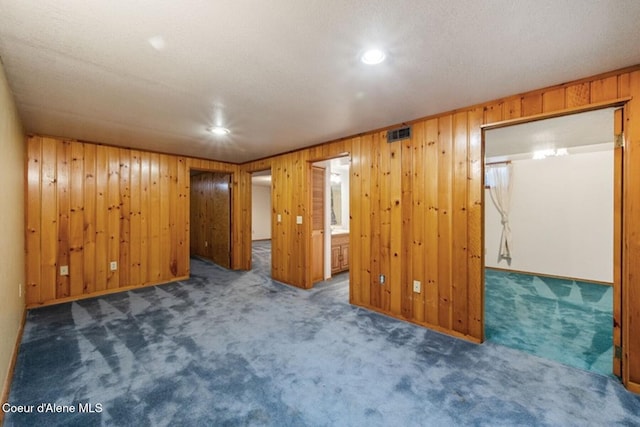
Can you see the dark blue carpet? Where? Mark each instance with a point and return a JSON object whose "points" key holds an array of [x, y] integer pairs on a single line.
{"points": [[568, 321], [236, 348]]}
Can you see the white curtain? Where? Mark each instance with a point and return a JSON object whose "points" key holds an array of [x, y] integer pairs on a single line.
{"points": [[500, 183]]}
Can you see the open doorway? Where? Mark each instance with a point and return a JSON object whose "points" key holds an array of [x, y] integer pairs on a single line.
{"points": [[261, 221], [550, 240], [210, 216], [330, 220]]}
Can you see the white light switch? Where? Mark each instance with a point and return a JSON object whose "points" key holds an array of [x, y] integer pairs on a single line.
{"points": [[279, 218], [64, 270], [299, 219], [113, 265], [417, 286]]}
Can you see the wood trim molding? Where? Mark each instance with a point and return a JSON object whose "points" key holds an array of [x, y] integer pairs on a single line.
{"points": [[105, 292], [619, 102], [4, 397], [551, 276]]}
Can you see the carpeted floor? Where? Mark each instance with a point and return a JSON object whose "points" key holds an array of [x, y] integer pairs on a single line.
{"points": [[563, 320], [236, 348]]}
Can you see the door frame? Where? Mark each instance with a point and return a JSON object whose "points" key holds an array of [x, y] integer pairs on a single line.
{"points": [[620, 339]]}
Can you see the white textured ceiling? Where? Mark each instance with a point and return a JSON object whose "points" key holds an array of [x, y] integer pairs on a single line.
{"points": [[283, 74]]}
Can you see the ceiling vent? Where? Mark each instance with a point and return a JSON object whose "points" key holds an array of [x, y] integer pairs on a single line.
{"points": [[399, 134]]}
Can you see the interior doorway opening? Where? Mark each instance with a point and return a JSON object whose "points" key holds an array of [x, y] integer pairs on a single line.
{"points": [[551, 246], [330, 219], [210, 216], [261, 227]]}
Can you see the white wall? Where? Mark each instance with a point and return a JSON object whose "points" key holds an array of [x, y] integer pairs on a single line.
{"points": [[561, 217], [12, 259], [260, 212]]}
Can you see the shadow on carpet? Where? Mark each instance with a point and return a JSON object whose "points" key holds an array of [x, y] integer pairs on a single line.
{"points": [[236, 348]]}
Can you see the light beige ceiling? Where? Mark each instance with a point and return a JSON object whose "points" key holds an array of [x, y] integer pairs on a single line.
{"points": [[283, 74]]}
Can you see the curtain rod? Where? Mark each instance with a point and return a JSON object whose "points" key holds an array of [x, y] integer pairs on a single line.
{"points": [[506, 162]]}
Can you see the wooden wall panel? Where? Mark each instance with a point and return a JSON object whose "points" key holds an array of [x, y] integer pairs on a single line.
{"points": [[631, 235], [90, 204], [417, 210], [444, 155]]}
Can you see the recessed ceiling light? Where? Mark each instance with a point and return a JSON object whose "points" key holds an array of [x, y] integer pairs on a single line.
{"points": [[373, 56], [219, 130], [157, 42]]}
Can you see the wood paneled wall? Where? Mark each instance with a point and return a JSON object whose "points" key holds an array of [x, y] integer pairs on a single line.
{"points": [[417, 209], [416, 213], [210, 224], [89, 205]]}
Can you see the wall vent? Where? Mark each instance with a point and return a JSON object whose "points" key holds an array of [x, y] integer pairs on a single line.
{"points": [[398, 134]]}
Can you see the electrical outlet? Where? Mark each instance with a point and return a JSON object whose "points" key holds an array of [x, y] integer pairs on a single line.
{"points": [[113, 265], [299, 219], [64, 270], [19, 289], [382, 279], [206, 244], [417, 286], [279, 218]]}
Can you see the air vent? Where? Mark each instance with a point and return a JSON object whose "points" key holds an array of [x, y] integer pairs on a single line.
{"points": [[398, 134]]}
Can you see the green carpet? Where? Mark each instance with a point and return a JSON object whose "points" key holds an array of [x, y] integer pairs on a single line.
{"points": [[568, 321]]}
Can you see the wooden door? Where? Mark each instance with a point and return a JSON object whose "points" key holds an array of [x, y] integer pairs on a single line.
{"points": [[210, 215], [618, 130], [221, 224], [317, 224]]}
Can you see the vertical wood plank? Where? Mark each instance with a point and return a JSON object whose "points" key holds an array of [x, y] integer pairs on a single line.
{"points": [[531, 104], [512, 108], [494, 112], [113, 216], [395, 190], [604, 89], [577, 95], [355, 242], [475, 273], [365, 224], [64, 158], [102, 218], [76, 219], [182, 221], [417, 237], [89, 217], [163, 213], [553, 100], [134, 218], [154, 274], [406, 197], [174, 240], [385, 221], [375, 288], [34, 209], [431, 221], [124, 259], [145, 214], [459, 233], [445, 192], [49, 221], [631, 232]]}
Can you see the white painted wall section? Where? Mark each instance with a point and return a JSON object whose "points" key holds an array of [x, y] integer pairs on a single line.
{"points": [[561, 217], [260, 212]]}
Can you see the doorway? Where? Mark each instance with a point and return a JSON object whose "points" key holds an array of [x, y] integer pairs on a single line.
{"points": [[261, 226], [330, 180], [551, 247], [210, 216]]}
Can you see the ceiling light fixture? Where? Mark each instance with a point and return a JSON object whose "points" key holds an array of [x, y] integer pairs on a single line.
{"points": [[219, 130], [373, 56]]}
